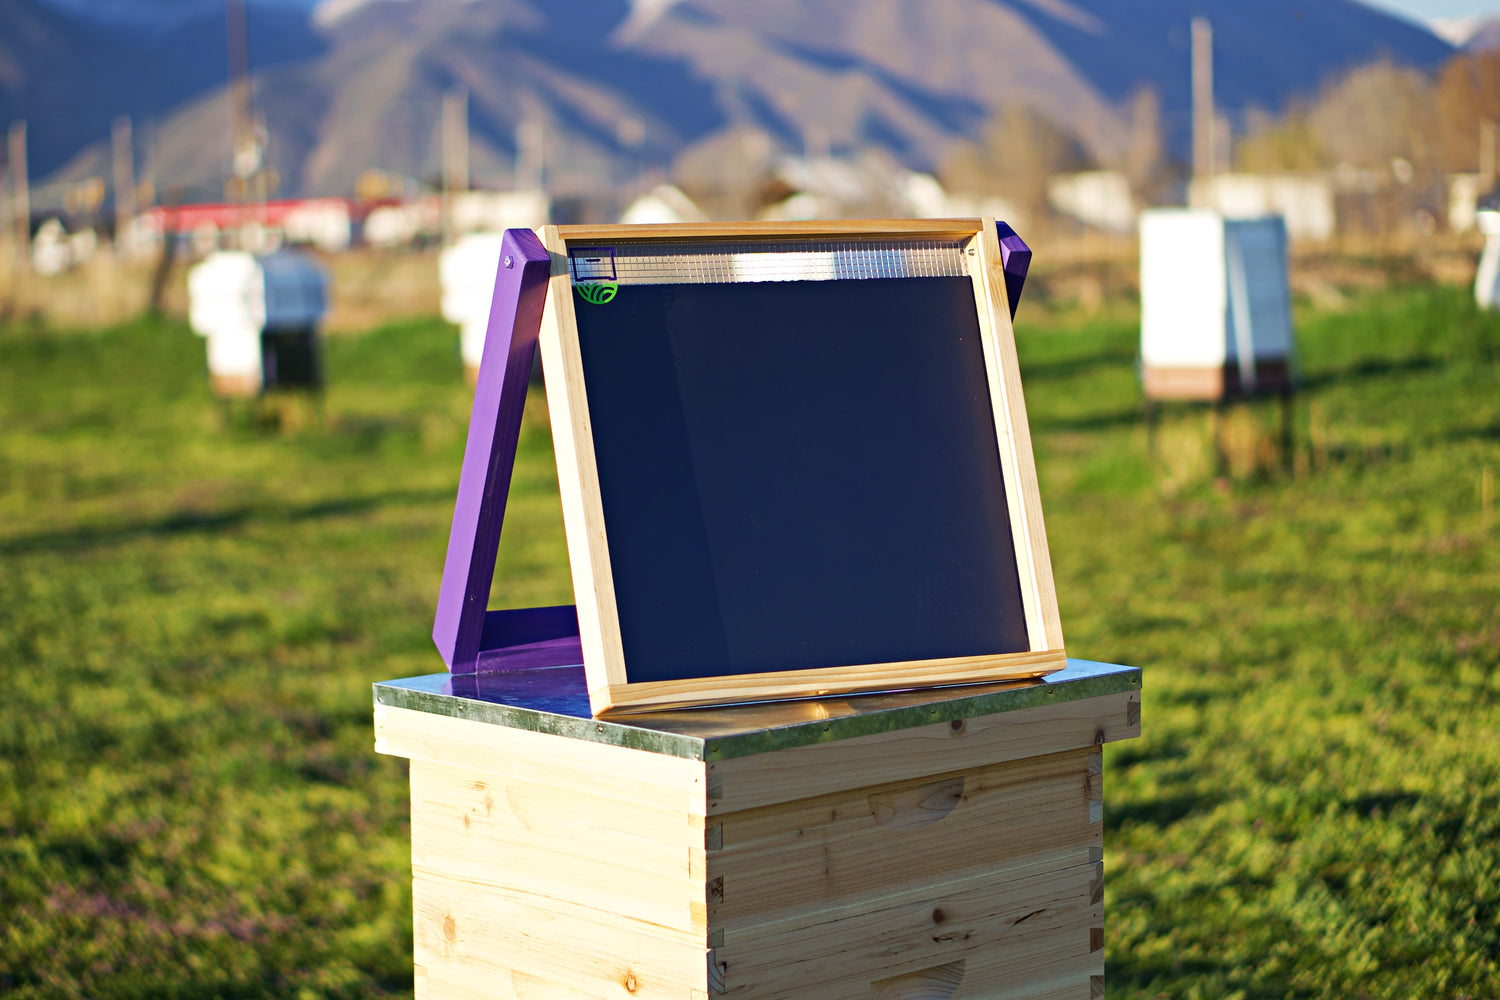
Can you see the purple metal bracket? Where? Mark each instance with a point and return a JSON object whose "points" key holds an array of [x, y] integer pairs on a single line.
{"points": [[465, 633], [1015, 260]]}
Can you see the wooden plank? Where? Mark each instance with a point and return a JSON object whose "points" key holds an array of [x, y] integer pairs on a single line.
{"points": [[1065, 975], [1031, 929], [826, 858], [540, 758], [515, 986], [578, 482], [992, 311], [801, 772], [655, 695], [476, 939], [896, 228], [628, 856], [1036, 565]]}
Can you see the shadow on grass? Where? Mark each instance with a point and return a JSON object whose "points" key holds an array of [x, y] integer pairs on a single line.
{"points": [[1488, 432], [1149, 977], [1083, 364], [1370, 368], [193, 522], [1160, 812], [1380, 803], [1089, 421]]}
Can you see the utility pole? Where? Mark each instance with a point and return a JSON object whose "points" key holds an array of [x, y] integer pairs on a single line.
{"points": [[124, 178], [21, 202], [455, 146], [530, 142], [1486, 155], [1203, 98], [245, 155]]}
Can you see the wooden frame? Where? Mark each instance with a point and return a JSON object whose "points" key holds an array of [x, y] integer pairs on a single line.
{"points": [[989, 249]]}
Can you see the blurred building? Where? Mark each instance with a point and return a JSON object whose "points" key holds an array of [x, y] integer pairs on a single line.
{"points": [[871, 185], [497, 211], [664, 203], [1099, 198], [54, 249], [1304, 201], [324, 223]]}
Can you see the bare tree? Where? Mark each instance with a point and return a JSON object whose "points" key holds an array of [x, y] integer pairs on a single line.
{"points": [[1378, 115], [1019, 150]]}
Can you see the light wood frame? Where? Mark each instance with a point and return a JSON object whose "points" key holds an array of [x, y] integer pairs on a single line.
{"points": [[610, 689]]}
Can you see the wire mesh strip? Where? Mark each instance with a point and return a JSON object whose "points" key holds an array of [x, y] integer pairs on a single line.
{"points": [[719, 263]]}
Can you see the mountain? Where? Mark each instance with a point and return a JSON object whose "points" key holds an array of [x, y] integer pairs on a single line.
{"points": [[1483, 35], [620, 86], [71, 75], [154, 16]]}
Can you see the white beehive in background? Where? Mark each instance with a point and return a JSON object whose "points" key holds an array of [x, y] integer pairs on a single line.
{"points": [[467, 270], [1216, 316], [260, 315], [1487, 280]]}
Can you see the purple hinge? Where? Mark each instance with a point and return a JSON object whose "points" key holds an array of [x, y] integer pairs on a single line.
{"points": [[1015, 260]]}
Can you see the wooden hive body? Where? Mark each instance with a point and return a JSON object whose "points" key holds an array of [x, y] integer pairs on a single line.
{"points": [[913, 845]]}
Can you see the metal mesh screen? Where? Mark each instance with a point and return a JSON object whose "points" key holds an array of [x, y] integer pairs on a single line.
{"points": [[719, 263]]}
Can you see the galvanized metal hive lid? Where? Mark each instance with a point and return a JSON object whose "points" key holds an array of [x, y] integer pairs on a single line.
{"points": [[554, 700]]}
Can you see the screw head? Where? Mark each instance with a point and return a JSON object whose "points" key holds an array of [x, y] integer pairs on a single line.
{"points": [[509, 261]]}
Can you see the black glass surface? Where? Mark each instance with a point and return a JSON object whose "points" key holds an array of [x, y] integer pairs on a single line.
{"points": [[799, 474]]}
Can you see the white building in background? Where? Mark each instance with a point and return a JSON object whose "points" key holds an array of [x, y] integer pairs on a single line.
{"points": [[55, 250], [497, 211], [260, 315], [403, 223], [926, 198], [1305, 202], [873, 185], [1216, 315], [321, 222], [664, 203], [1099, 198]]}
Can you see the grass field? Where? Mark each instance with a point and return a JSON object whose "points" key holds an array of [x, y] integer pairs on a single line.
{"points": [[191, 613]]}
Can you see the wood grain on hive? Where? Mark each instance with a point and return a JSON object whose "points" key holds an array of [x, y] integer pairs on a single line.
{"points": [[918, 844]]}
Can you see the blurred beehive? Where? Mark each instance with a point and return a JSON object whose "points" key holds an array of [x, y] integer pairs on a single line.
{"points": [[467, 269], [1215, 307], [260, 315]]}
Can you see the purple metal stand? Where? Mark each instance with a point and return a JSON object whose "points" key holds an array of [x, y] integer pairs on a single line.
{"points": [[469, 637], [1015, 261]]}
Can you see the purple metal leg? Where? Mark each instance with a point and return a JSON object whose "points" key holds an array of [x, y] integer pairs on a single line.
{"points": [[515, 319], [1015, 260]]}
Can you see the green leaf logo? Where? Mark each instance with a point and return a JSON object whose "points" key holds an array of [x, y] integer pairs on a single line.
{"points": [[597, 292]]}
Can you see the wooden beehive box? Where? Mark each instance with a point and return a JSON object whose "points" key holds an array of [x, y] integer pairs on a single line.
{"points": [[260, 316], [1216, 319], [920, 844]]}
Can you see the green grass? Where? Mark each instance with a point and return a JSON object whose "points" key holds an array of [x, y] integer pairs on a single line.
{"points": [[191, 615]]}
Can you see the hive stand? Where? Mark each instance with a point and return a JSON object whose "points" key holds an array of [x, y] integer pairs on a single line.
{"points": [[933, 844]]}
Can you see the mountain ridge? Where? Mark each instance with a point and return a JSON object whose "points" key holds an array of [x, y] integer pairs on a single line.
{"points": [[626, 86]]}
